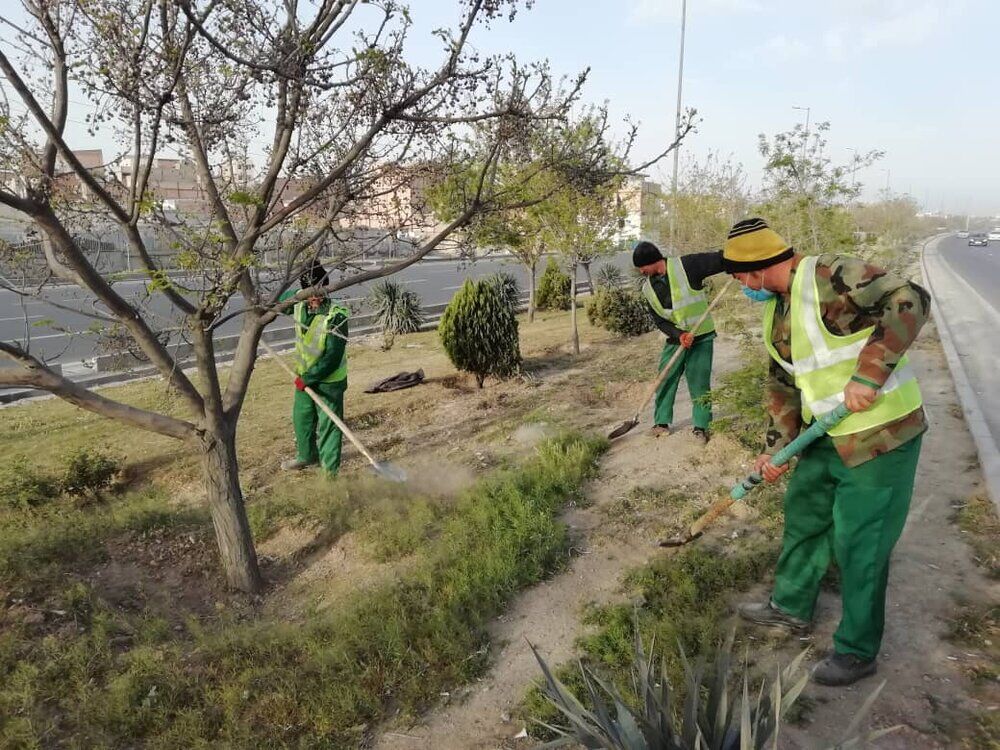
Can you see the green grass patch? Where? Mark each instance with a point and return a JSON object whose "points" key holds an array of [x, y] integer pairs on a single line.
{"points": [[321, 684], [738, 402]]}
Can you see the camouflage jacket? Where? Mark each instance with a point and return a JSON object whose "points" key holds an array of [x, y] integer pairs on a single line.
{"points": [[853, 295]]}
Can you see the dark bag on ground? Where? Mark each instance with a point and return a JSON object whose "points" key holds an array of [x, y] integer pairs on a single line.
{"points": [[398, 382]]}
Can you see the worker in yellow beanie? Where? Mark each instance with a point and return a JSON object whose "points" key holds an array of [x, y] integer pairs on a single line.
{"points": [[837, 330]]}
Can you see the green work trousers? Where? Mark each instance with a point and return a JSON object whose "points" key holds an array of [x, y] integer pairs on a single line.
{"points": [[317, 438], [854, 516], [695, 364]]}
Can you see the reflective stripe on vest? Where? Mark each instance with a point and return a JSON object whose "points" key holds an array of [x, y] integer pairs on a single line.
{"points": [[310, 340], [823, 363], [687, 305]]}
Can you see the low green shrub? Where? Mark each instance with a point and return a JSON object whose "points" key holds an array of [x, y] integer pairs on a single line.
{"points": [[608, 276], [397, 310], [23, 487], [553, 288], [89, 472], [621, 311]]}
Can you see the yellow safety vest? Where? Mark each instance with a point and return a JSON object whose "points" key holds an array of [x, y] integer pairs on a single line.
{"points": [[687, 305], [822, 363], [310, 339]]}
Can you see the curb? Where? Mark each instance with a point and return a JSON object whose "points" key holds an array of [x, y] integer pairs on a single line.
{"points": [[986, 447]]}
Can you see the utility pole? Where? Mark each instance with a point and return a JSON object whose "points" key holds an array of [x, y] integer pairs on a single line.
{"points": [[677, 130]]}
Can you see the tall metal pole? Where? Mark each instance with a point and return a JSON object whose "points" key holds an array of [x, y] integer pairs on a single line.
{"points": [[677, 130]]}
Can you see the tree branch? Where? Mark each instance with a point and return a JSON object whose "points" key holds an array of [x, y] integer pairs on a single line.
{"points": [[36, 375]]}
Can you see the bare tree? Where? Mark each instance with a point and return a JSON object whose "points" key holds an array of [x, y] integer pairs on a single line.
{"points": [[351, 128]]}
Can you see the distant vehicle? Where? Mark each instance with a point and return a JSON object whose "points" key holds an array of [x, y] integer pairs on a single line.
{"points": [[978, 239], [994, 235], [963, 235]]}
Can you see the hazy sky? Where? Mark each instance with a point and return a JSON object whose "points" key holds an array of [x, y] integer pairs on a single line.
{"points": [[919, 79]]}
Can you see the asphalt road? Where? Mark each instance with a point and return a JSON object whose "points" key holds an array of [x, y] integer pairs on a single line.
{"points": [[966, 285], [58, 336], [979, 266]]}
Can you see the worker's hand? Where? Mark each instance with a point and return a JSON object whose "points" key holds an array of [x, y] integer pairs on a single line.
{"points": [[766, 469], [858, 396], [687, 339], [300, 384]]}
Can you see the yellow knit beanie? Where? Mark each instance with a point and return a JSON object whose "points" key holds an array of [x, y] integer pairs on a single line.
{"points": [[752, 245]]}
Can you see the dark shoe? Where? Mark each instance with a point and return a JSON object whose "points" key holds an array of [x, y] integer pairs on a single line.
{"points": [[294, 464], [660, 429], [838, 670], [765, 613], [701, 433]]}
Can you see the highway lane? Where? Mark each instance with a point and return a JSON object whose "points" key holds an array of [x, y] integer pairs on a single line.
{"points": [[979, 266], [62, 337], [966, 285]]}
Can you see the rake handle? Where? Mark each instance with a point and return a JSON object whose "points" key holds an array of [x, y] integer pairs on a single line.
{"points": [[817, 430], [680, 349], [322, 405]]}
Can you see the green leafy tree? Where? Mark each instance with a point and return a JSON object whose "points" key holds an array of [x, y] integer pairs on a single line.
{"points": [[806, 196], [479, 331]]}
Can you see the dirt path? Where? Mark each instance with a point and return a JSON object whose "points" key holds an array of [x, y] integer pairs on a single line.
{"points": [[933, 574], [927, 691]]}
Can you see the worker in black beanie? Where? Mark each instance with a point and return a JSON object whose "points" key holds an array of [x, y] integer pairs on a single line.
{"points": [[673, 293]]}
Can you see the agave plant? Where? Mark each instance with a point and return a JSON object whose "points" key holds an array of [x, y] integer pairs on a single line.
{"points": [[508, 286], [609, 276], [711, 717], [396, 309]]}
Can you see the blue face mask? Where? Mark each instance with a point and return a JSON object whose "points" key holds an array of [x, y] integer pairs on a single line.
{"points": [[758, 295]]}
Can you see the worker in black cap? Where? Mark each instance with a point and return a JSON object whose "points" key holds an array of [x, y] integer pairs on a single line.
{"points": [[321, 364], [673, 291]]}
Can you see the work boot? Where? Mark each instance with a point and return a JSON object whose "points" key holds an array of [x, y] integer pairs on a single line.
{"points": [[296, 464], [838, 670], [702, 434], [765, 613], [660, 429]]}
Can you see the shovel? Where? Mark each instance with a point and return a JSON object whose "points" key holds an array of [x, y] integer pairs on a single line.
{"points": [[628, 424], [384, 470], [818, 428]]}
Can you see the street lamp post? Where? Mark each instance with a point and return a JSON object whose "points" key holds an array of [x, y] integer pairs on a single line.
{"points": [[677, 130]]}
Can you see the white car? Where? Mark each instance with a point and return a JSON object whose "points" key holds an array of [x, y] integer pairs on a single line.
{"points": [[963, 235], [994, 235]]}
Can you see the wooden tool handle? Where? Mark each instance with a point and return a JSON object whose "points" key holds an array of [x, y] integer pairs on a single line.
{"points": [[322, 405], [666, 370], [717, 509]]}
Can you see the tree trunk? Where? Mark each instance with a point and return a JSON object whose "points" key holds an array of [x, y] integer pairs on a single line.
{"points": [[590, 279], [572, 311], [229, 516], [531, 291]]}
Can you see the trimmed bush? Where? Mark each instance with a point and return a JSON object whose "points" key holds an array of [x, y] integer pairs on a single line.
{"points": [[553, 288], [479, 331], [621, 311], [396, 308]]}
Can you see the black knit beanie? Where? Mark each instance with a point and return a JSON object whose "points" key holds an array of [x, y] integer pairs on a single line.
{"points": [[315, 275], [645, 253]]}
